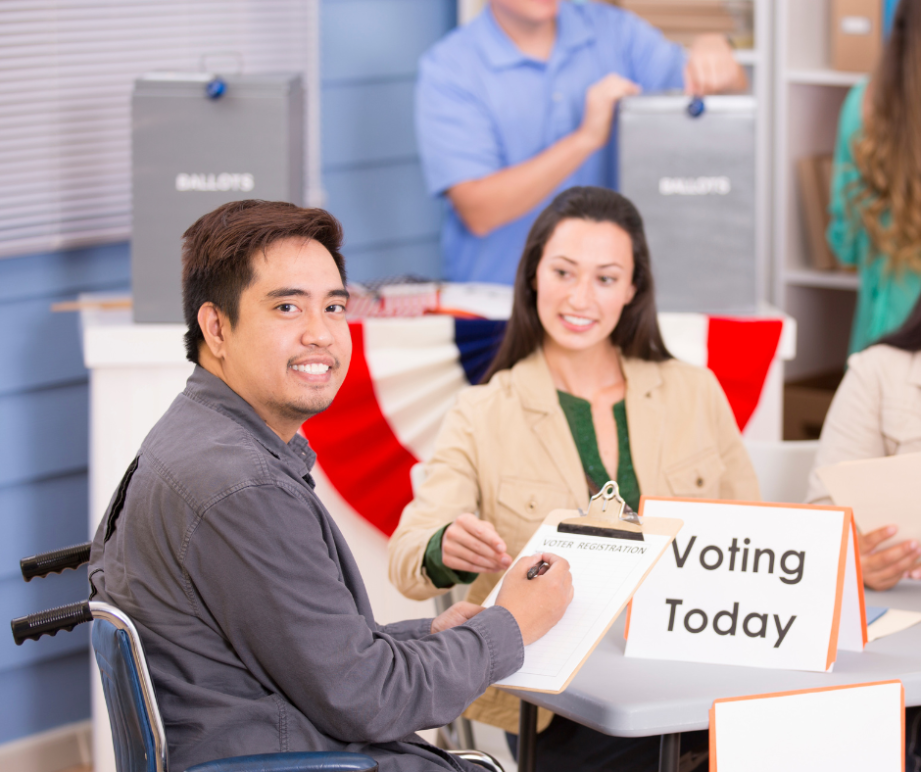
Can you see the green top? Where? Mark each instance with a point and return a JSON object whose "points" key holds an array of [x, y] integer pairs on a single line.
{"points": [[578, 414], [884, 298]]}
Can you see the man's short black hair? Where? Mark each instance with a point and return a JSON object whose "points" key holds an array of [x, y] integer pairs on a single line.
{"points": [[217, 252]]}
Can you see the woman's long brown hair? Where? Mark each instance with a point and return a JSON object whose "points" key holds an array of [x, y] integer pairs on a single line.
{"points": [[637, 332], [888, 152]]}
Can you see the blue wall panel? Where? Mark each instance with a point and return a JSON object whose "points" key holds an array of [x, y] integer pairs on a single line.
{"points": [[45, 695], [422, 258], [379, 39], [38, 347], [27, 355], [43, 484], [368, 123], [55, 274], [371, 171], [382, 204], [45, 433], [40, 516]]}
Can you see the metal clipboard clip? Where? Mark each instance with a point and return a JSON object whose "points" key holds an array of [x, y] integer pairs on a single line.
{"points": [[616, 522]]}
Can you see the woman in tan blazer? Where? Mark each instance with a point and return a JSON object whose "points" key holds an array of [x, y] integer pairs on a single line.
{"points": [[581, 390], [876, 412]]}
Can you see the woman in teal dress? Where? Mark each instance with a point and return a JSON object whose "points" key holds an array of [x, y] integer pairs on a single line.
{"points": [[876, 185]]}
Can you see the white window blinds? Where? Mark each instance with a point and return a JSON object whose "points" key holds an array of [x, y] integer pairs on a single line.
{"points": [[66, 73]]}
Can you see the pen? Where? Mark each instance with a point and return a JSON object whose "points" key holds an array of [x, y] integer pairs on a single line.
{"points": [[538, 570]]}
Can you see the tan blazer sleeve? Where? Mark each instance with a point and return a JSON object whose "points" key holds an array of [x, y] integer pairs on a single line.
{"points": [[739, 482], [450, 488], [852, 427]]}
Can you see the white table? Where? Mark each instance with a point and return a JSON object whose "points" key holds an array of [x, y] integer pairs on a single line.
{"points": [[641, 697]]}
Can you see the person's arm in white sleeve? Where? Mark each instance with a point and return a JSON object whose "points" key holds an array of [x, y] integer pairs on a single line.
{"points": [[852, 429]]}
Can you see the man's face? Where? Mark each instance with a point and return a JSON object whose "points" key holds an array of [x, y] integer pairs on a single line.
{"points": [[290, 349]]}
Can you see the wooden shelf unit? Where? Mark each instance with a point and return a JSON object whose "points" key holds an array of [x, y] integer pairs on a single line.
{"points": [[807, 99]]}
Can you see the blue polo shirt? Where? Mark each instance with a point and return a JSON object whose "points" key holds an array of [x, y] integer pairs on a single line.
{"points": [[482, 105]]}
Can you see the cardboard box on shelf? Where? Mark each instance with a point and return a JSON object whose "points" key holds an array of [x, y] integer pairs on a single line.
{"points": [[688, 22], [814, 177], [683, 20], [856, 34], [805, 404]]}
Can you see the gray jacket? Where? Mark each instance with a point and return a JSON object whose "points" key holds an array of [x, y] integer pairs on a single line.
{"points": [[258, 630]]}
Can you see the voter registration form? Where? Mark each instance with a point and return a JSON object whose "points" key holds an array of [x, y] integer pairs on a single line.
{"points": [[606, 571]]}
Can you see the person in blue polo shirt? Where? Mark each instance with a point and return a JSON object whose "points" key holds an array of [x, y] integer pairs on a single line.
{"points": [[518, 105]]}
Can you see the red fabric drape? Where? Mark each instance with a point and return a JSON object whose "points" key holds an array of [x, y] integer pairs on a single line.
{"points": [[740, 352], [369, 467], [358, 450]]}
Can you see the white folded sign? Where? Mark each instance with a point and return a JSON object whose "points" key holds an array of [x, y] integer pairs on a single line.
{"points": [[847, 728], [763, 585]]}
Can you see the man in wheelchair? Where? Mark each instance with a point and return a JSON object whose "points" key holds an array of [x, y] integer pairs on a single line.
{"points": [[253, 614]]}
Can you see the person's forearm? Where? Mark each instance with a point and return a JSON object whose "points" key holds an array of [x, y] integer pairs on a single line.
{"points": [[498, 199]]}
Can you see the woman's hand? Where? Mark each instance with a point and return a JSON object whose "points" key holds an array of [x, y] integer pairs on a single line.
{"points": [[470, 544], [883, 568]]}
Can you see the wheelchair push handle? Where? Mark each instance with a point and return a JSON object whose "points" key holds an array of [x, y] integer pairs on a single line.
{"points": [[55, 561], [49, 622]]}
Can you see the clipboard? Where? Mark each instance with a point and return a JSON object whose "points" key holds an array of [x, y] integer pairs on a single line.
{"points": [[610, 550]]}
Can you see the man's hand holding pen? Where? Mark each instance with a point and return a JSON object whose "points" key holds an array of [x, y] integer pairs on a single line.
{"points": [[537, 605]]}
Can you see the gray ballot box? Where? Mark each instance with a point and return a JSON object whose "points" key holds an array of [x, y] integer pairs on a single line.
{"points": [[692, 177], [192, 152]]}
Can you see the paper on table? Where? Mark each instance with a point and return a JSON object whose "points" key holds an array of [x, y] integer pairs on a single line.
{"points": [[605, 574], [880, 491], [894, 620]]}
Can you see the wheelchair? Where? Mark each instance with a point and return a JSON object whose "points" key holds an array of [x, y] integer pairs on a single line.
{"points": [[137, 729]]}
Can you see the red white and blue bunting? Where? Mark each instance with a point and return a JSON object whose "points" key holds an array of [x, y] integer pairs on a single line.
{"points": [[406, 373]]}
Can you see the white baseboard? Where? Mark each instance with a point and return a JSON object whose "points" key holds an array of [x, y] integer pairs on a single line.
{"points": [[60, 748]]}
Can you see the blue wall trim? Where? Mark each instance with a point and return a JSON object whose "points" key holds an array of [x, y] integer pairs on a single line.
{"points": [[60, 274]]}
